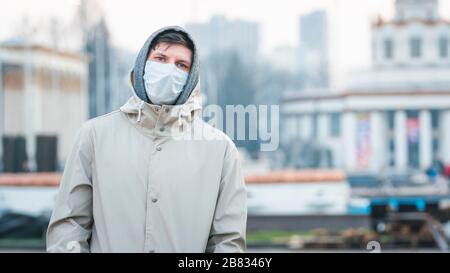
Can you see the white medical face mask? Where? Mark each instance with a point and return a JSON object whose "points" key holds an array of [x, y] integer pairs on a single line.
{"points": [[163, 82]]}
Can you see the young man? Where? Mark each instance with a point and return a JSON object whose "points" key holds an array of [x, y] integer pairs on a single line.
{"points": [[133, 183]]}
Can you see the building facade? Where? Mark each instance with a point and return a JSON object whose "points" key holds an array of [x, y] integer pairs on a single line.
{"points": [[221, 40], [397, 113], [98, 49], [221, 35], [44, 101]]}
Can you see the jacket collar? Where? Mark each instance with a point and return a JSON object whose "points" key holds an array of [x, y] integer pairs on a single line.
{"points": [[164, 120]]}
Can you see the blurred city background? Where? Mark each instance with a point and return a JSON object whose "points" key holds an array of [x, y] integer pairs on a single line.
{"points": [[364, 94]]}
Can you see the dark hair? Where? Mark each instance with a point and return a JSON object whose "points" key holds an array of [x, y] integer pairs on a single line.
{"points": [[173, 37]]}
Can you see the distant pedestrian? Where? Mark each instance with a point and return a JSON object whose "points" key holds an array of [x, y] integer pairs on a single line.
{"points": [[432, 173]]}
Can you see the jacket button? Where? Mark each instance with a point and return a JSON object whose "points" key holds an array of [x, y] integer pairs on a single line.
{"points": [[158, 148], [166, 110], [162, 129], [154, 199]]}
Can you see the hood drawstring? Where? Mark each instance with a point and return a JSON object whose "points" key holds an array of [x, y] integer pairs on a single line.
{"points": [[141, 105], [182, 113], [180, 116]]}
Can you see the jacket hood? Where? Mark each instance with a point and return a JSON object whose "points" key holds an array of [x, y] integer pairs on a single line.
{"points": [[149, 117], [139, 66]]}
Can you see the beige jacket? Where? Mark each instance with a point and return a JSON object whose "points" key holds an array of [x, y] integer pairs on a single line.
{"points": [[137, 181]]}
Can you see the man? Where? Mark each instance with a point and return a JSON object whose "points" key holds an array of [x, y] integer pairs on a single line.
{"points": [[134, 183]]}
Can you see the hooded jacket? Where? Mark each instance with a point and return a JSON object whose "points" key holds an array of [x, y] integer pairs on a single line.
{"points": [[137, 180]]}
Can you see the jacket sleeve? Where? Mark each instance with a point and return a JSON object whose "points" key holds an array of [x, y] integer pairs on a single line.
{"points": [[230, 218], [69, 229]]}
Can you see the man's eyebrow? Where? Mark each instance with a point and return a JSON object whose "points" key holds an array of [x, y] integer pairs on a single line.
{"points": [[185, 61], [160, 53]]}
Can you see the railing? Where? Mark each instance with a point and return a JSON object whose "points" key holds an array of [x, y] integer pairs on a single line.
{"points": [[282, 176]]}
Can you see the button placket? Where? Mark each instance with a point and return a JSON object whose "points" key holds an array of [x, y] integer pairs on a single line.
{"points": [[152, 192], [152, 195], [148, 221], [154, 181]]}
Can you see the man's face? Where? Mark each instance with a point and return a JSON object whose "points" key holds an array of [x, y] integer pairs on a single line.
{"points": [[179, 55]]}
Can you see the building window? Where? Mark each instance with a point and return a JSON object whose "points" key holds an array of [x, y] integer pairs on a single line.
{"points": [[391, 152], [435, 123], [14, 154], [388, 48], [434, 119], [416, 47], [443, 47], [13, 77], [413, 137], [335, 124], [46, 153], [391, 119], [435, 148]]}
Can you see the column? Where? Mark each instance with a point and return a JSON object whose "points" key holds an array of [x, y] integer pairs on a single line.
{"points": [[401, 145], [293, 130], [2, 112], [297, 125], [349, 135], [30, 108], [378, 141], [323, 127], [445, 136], [425, 139], [306, 127]]}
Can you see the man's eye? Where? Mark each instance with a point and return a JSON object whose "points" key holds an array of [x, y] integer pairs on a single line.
{"points": [[161, 59], [182, 66]]}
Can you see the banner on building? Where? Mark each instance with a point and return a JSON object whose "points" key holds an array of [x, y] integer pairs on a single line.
{"points": [[363, 141]]}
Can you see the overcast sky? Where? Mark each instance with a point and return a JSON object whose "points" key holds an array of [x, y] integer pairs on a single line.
{"points": [[131, 21]]}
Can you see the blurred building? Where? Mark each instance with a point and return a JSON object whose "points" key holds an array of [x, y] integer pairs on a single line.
{"points": [[285, 58], [43, 102], [222, 35], [99, 50], [109, 67], [122, 61], [221, 41], [396, 114], [313, 49]]}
